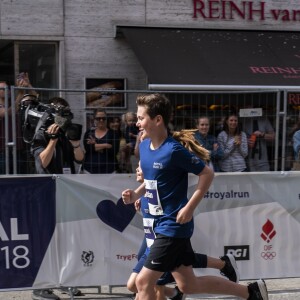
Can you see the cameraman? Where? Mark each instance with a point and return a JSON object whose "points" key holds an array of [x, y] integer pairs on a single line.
{"points": [[53, 151]]}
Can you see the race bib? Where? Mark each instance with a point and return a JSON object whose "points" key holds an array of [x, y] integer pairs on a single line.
{"points": [[155, 208], [149, 232]]}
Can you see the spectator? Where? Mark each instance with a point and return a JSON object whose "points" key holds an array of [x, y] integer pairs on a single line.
{"points": [[26, 164], [114, 123], [130, 135], [140, 137], [25, 161], [54, 153], [3, 109], [234, 144], [21, 81], [171, 126], [296, 147], [296, 141], [100, 144], [209, 142], [261, 128]]}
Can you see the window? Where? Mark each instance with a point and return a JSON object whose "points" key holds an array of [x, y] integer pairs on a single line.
{"points": [[40, 61]]}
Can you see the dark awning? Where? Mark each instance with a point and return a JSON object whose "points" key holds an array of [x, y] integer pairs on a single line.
{"points": [[216, 57]]}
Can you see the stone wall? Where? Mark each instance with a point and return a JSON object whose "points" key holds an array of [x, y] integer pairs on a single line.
{"points": [[86, 31]]}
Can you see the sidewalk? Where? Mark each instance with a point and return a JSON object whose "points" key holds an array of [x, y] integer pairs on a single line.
{"points": [[279, 289]]}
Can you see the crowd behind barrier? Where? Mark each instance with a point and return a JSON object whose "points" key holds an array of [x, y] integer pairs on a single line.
{"points": [[272, 149]]}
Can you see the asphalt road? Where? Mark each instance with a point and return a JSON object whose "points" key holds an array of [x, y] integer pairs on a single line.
{"points": [[279, 289]]}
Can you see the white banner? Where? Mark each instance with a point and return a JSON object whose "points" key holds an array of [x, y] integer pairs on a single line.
{"points": [[254, 216]]}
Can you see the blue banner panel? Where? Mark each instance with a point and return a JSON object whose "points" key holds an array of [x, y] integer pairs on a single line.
{"points": [[27, 222]]}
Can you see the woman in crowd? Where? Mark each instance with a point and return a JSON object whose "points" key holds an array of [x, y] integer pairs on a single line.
{"points": [[209, 142], [130, 135], [296, 140], [234, 144], [101, 145], [114, 123], [295, 143]]}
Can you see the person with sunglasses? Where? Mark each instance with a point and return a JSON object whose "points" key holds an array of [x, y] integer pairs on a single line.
{"points": [[101, 146]]}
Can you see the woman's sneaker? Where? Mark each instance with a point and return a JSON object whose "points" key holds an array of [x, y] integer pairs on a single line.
{"points": [[258, 290], [230, 269]]}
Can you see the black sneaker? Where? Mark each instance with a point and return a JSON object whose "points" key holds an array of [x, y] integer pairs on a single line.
{"points": [[46, 294], [179, 295], [230, 269], [258, 290]]}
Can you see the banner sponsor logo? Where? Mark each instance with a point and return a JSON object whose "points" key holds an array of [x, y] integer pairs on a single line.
{"points": [[88, 258], [240, 252], [126, 257], [268, 234], [268, 253], [268, 231]]}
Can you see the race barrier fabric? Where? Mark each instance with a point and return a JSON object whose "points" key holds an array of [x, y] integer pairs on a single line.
{"points": [[74, 230]]}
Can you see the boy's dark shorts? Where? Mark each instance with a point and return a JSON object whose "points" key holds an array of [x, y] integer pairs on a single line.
{"points": [[168, 253]]}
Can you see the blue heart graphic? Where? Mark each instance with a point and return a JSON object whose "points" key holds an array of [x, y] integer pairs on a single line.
{"points": [[117, 216]]}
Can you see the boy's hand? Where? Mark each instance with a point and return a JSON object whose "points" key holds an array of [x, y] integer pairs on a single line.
{"points": [[137, 205], [185, 215], [127, 196]]}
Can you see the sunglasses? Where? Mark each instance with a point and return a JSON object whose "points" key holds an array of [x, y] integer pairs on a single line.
{"points": [[100, 119]]}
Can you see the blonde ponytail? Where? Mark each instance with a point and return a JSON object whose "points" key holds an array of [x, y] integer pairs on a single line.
{"points": [[186, 138]]}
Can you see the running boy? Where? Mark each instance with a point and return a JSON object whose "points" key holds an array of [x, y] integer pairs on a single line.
{"points": [[165, 164], [226, 264]]}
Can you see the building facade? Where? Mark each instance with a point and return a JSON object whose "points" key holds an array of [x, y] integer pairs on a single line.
{"points": [[78, 45]]}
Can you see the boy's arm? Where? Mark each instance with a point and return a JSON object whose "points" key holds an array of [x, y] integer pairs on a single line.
{"points": [[205, 179], [130, 196]]}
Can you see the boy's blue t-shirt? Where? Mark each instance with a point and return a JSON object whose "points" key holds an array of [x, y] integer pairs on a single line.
{"points": [[165, 172]]}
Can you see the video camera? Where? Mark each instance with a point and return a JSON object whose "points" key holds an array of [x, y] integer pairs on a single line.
{"points": [[39, 116]]}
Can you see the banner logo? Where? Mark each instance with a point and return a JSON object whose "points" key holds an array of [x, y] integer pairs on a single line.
{"points": [[88, 258], [268, 231], [241, 252], [268, 255]]}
